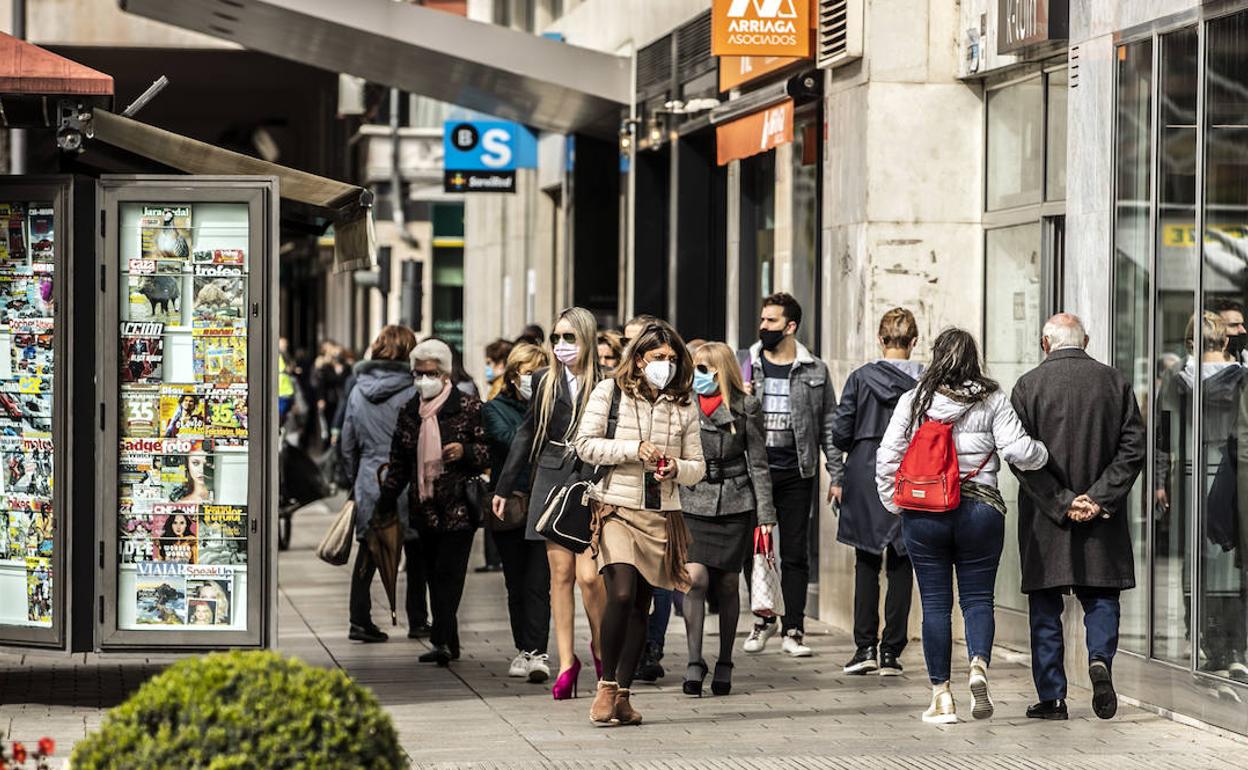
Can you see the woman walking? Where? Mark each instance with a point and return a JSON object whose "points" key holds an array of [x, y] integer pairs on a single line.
{"points": [[560, 396], [640, 539], [968, 539], [722, 509], [383, 386], [526, 571], [438, 445]]}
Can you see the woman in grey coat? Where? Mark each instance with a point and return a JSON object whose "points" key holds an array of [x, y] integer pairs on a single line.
{"points": [[722, 509], [383, 385]]}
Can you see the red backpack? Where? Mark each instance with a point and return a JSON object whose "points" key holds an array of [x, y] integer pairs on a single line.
{"points": [[928, 479]]}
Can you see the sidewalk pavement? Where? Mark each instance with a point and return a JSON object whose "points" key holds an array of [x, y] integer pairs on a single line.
{"points": [[783, 713]]}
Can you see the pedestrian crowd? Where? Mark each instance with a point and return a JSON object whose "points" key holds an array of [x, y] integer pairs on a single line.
{"points": [[650, 473]]}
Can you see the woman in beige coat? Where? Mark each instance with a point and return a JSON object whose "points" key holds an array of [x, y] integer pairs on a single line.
{"points": [[640, 540]]}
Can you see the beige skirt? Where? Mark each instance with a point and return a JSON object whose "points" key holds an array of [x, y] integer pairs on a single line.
{"points": [[656, 543]]}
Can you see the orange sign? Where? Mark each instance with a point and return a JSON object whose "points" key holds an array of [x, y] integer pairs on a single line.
{"points": [[760, 28], [738, 70], [755, 133]]}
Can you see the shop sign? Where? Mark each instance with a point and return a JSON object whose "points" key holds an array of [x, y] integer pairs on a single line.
{"points": [[483, 155], [760, 28], [738, 70], [1023, 23], [754, 134]]}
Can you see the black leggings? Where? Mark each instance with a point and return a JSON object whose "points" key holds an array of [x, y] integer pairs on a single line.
{"points": [[723, 585], [623, 622]]}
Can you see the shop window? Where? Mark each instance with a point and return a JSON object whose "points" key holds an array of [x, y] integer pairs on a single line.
{"points": [[805, 280], [1016, 136], [758, 239], [1056, 85]]}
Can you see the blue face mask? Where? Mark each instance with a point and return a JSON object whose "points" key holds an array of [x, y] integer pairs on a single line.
{"points": [[490, 376], [705, 384]]}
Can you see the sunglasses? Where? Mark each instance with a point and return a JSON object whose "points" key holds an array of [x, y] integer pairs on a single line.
{"points": [[567, 337], [704, 369]]}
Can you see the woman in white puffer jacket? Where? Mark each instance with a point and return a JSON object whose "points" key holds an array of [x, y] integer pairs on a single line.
{"points": [[969, 538]]}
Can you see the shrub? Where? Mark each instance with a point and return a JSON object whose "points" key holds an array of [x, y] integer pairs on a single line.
{"points": [[244, 711]]}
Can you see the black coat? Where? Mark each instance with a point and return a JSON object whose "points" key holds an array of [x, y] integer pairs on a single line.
{"points": [[1087, 416], [556, 462], [871, 393], [502, 417]]}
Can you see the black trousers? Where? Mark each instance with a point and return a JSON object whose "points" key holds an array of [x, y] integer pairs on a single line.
{"points": [[900, 576], [792, 496], [492, 556], [446, 566], [526, 573], [362, 582]]}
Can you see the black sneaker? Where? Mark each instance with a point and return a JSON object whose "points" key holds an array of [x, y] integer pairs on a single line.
{"points": [[890, 665], [863, 662], [419, 631], [648, 668], [1048, 709], [1104, 699], [369, 634], [440, 655]]}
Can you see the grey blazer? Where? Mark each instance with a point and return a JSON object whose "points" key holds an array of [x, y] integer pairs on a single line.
{"points": [[733, 435]]}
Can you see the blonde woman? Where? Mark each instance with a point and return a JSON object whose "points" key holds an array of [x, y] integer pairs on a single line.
{"points": [[722, 509], [640, 539], [560, 396]]}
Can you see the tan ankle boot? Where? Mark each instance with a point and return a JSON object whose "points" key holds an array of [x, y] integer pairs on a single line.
{"points": [[625, 714], [602, 710]]}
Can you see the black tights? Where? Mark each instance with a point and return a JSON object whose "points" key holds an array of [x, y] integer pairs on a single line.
{"points": [[723, 584], [623, 622]]}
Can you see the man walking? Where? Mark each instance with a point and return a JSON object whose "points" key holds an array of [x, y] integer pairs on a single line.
{"points": [[1072, 523], [799, 404]]}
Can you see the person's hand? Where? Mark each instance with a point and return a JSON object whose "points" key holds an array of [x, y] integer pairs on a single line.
{"points": [[453, 452], [499, 506], [834, 494], [1083, 509], [648, 453], [766, 528], [667, 471], [1163, 500]]}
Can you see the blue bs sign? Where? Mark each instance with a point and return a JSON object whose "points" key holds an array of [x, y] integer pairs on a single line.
{"points": [[483, 155]]}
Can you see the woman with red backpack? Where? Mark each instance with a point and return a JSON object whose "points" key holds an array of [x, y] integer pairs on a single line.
{"points": [[937, 467]]}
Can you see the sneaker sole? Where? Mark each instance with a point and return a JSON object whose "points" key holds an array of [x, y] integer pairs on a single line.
{"points": [[1104, 698], [860, 668], [981, 702], [943, 719], [517, 674], [754, 650], [800, 653], [891, 672]]}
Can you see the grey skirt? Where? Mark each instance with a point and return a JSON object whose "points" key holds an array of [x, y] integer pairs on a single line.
{"points": [[720, 542]]}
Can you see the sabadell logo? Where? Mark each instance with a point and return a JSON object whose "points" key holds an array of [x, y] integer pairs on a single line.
{"points": [[773, 23]]}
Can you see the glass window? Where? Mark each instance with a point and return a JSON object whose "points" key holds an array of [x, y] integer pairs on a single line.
{"points": [[1012, 325], [805, 281], [758, 239], [1223, 532], [1175, 346], [1055, 134], [1132, 270], [1016, 144]]}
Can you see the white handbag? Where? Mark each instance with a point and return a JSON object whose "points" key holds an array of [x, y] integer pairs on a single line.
{"points": [[766, 598], [335, 547]]}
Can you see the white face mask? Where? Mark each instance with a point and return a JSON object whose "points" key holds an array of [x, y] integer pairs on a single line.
{"points": [[525, 386], [429, 387], [660, 373]]}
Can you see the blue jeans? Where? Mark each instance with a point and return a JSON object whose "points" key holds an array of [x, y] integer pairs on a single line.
{"points": [[1101, 613], [660, 615], [967, 539]]}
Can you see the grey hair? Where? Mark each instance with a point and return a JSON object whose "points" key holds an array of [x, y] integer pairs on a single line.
{"points": [[1065, 330], [433, 350]]}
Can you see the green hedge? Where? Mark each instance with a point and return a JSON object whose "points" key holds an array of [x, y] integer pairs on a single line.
{"points": [[244, 711]]}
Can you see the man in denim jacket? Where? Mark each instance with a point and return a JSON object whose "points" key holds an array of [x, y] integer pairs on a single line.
{"points": [[799, 403]]}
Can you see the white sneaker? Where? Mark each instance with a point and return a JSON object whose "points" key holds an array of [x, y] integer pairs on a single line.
{"points": [[539, 667], [519, 666], [943, 710], [759, 635], [793, 645], [981, 701]]}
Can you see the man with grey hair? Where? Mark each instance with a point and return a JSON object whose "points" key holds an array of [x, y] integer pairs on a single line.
{"points": [[1072, 514]]}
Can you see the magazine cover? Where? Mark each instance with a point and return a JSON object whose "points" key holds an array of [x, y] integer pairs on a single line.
{"points": [[160, 600], [134, 533], [187, 478], [213, 597], [223, 534], [28, 415], [15, 231], [41, 233], [234, 257], [173, 530], [39, 590], [220, 359], [155, 298], [218, 302], [18, 524], [39, 530], [226, 414], [26, 466], [166, 232], [24, 294], [142, 351], [181, 412], [30, 347], [138, 478], [140, 411]]}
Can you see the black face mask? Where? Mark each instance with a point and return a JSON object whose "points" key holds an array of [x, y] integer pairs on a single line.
{"points": [[1235, 345], [770, 339]]}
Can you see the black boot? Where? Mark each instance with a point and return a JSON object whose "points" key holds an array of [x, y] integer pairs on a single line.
{"points": [[1104, 699], [440, 655], [648, 668], [1048, 709], [369, 634]]}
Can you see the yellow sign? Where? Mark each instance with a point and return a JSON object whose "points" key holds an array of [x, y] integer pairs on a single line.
{"points": [[1184, 236], [760, 28]]}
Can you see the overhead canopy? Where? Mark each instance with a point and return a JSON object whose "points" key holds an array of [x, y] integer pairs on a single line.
{"points": [[499, 71], [347, 205], [28, 70]]}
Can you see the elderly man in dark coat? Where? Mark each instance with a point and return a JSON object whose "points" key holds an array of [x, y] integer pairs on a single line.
{"points": [[1072, 523]]}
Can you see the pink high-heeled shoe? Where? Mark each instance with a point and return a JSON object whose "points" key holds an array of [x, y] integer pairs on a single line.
{"points": [[564, 687], [597, 663]]}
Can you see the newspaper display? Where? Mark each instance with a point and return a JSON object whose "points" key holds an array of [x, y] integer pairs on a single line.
{"points": [[184, 423]]}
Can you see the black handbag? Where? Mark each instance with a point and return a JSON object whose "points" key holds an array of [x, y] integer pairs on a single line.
{"points": [[515, 514], [567, 517], [478, 497]]}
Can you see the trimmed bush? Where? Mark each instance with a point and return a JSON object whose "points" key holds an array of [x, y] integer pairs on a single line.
{"points": [[244, 711]]}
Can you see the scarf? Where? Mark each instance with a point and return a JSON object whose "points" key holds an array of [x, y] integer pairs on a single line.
{"points": [[710, 403], [429, 443]]}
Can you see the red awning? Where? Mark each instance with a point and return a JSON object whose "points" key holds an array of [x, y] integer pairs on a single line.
{"points": [[28, 70]]}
